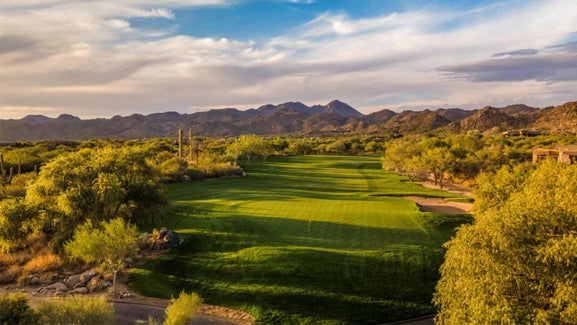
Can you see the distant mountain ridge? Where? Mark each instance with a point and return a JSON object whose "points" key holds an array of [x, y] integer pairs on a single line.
{"points": [[293, 118]]}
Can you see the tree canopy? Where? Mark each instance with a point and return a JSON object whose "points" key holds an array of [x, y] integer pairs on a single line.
{"points": [[518, 262], [94, 184]]}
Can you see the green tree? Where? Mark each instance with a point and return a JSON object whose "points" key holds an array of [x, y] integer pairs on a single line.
{"points": [[300, 146], [16, 222], [95, 184], [170, 168], [249, 146], [518, 262], [110, 245], [399, 154], [438, 162]]}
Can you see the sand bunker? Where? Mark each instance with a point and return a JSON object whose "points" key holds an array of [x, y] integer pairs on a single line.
{"points": [[439, 205]]}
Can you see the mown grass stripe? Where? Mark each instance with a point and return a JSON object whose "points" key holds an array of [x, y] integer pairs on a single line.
{"points": [[303, 240]]}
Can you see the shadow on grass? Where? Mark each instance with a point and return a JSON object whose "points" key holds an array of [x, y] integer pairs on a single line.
{"points": [[246, 263], [313, 234]]}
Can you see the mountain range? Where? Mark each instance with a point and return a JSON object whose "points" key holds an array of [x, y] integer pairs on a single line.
{"points": [[294, 118]]}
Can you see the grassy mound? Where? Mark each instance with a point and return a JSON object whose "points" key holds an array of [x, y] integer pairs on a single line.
{"points": [[304, 240]]}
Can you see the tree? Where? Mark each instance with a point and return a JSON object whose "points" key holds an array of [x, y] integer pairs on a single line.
{"points": [[110, 244], [95, 184], [15, 223], [249, 146], [518, 262], [399, 154], [438, 161]]}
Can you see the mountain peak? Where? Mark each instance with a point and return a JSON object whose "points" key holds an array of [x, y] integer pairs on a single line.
{"points": [[67, 118], [35, 119], [342, 109]]}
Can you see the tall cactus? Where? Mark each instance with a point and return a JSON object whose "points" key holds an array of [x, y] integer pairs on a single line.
{"points": [[180, 143], [6, 177], [190, 144]]}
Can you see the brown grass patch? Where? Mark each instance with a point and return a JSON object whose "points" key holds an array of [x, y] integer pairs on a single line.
{"points": [[43, 263], [34, 258]]}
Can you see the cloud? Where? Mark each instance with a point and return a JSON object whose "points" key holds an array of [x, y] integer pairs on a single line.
{"points": [[88, 59], [555, 63], [550, 68], [516, 53]]}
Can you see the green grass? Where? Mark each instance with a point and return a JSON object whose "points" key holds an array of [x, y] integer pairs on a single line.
{"points": [[314, 239]]}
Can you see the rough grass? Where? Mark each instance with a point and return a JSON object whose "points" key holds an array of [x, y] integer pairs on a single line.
{"points": [[77, 310], [314, 239]]}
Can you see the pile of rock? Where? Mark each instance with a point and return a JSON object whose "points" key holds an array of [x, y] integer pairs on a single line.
{"points": [[164, 239], [87, 282]]}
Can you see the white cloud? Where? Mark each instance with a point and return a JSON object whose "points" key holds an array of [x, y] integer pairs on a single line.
{"points": [[85, 57]]}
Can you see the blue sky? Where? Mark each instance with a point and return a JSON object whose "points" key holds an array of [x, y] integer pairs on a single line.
{"points": [[258, 20], [120, 57]]}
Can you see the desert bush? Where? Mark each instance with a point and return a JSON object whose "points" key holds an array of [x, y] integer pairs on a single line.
{"points": [[76, 310], [16, 188], [10, 273], [14, 310], [181, 311], [5, 261], [32, 257], [43, 263]]}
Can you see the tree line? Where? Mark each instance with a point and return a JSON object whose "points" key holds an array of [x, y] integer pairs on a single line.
{"points": [[461, 158]]}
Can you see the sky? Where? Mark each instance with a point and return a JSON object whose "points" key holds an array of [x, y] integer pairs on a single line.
{"points": [[104, 58]]}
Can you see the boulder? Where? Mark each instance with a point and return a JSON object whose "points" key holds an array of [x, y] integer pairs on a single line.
{"points": [[57, 294], [166, 239], [78, 291], [74, 281], [87, 275], [97, 284], [129, 262], [34, 280], [57, 286], [41, 291], [126, 295]]}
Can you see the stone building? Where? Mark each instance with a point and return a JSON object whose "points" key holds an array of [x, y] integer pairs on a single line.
{"points": [[565, 154]]}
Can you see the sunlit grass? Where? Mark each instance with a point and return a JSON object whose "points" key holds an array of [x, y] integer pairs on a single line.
{"points": [[320, 239]]}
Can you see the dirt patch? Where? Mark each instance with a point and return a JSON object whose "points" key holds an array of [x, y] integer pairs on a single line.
{"points": [[439, 205]]}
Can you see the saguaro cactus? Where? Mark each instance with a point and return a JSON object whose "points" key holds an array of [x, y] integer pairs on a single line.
{"points": [[180, 143], [190, 144], [6, 177]]}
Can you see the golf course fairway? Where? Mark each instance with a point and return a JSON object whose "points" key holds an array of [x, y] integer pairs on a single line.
{"points": [[304, 240]]}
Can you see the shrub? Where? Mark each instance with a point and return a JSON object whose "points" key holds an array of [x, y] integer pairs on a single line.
{"points": [[43, 263], [181, 310], [14, 310], [76, 310], [10, 274]]}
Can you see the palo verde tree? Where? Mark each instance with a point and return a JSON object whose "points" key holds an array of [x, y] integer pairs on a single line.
{"points": [[16, 222], [95, 184], [109, 244], [517, 263], [249, 146]]}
